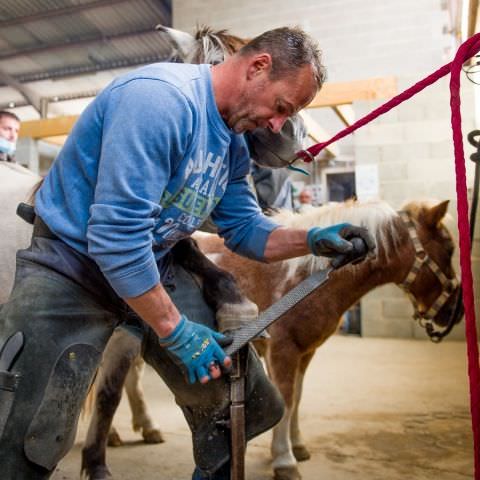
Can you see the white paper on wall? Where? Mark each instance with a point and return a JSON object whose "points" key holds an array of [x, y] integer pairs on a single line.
{"points": [[366, 181]]}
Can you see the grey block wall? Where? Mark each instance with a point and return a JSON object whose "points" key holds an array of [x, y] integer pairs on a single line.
{"points": [[412, 145]]}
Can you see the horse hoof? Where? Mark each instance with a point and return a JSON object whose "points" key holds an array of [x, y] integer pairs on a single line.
{"points": [[301, 453], [286, 473], [152, 436], [114, 440], [98, 473]]}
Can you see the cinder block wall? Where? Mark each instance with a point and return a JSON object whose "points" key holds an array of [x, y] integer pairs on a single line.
{"points": [[412, 145], [360, 38]]}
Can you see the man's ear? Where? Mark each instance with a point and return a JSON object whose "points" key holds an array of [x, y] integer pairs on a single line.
{"points": [[259, 64]]}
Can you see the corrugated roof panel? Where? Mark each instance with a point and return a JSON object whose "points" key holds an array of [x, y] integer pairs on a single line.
{"points": [[17, 37], [44, 31], [4, 45], [68, 29], [62, 28], [144, 45], [10, 9], [124, 17], [21, 65], [107, 20], [121, 18]]}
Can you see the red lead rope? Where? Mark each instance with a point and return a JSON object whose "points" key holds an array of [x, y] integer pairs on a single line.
{"points": [[466, 51]]}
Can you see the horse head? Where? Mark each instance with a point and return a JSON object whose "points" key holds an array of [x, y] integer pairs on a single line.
{"points": [[414, 251], [431, 283], [206, 46]]}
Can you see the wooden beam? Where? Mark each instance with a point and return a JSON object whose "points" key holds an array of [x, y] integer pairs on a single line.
{"points": [[472, 17], [345, 113], [57, 140], [341, 93], [47, 127]]}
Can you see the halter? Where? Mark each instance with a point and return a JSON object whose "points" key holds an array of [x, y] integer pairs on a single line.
{"points": [[449, 285]]}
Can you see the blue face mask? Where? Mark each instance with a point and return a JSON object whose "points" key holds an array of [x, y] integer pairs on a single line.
{"points": [[6, 146]]}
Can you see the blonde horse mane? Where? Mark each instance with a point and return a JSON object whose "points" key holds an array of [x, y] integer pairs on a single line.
{"points": [[377, 216]]}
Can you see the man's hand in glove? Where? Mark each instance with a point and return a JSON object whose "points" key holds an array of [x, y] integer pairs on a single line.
{"points": [[335, 240], [197, 348]]}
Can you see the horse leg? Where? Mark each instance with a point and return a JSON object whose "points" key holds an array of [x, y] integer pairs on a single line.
{"points": [[298, 446], [141, 418], [118, 356], [220, 289], [284, 375]]}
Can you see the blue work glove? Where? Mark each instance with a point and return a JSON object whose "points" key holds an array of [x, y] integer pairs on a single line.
{"points": [[334, 240], [196, 347]]}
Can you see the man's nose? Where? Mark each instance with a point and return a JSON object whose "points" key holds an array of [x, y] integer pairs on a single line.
{"points": [[275, 124]]}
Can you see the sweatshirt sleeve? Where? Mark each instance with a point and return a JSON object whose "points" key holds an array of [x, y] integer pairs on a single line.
{"points": [[146, 125], [238, 217]]}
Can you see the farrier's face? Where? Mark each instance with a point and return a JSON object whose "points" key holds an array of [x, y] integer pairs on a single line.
{"points": [[9, 129], [267, 103]]}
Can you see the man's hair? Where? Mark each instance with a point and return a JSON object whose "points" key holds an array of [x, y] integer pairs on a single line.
{"points": [[6, 113], [290, 49]]}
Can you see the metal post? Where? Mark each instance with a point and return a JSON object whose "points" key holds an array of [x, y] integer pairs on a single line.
{"points": [[237, 414]]}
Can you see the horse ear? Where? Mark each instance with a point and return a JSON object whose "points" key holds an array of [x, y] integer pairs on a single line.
{"points": [[182, 41], [435, 214]]}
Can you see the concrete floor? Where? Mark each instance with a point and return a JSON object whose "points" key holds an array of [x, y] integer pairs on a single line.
{"points": [[372, 409]]}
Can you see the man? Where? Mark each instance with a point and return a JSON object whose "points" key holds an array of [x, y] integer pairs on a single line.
{"points": [[9, 128], [157, 152]]}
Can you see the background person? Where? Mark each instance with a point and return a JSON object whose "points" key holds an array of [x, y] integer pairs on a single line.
{"points": [[9, 128]]}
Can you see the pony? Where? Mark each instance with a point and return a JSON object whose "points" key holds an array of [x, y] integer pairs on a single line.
{"points": [[414, 251]]}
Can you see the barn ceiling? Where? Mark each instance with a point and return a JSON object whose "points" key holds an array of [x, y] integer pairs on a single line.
{"points": [[56, 54]]}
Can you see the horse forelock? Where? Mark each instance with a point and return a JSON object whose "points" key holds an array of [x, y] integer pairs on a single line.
{"points": [[214, 45]]}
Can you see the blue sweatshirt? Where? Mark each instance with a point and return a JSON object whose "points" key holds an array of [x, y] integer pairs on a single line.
{"points": [[146, 163]]}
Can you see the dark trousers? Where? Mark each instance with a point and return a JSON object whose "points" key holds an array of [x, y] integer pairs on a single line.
{"points": [[66, 330]]}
